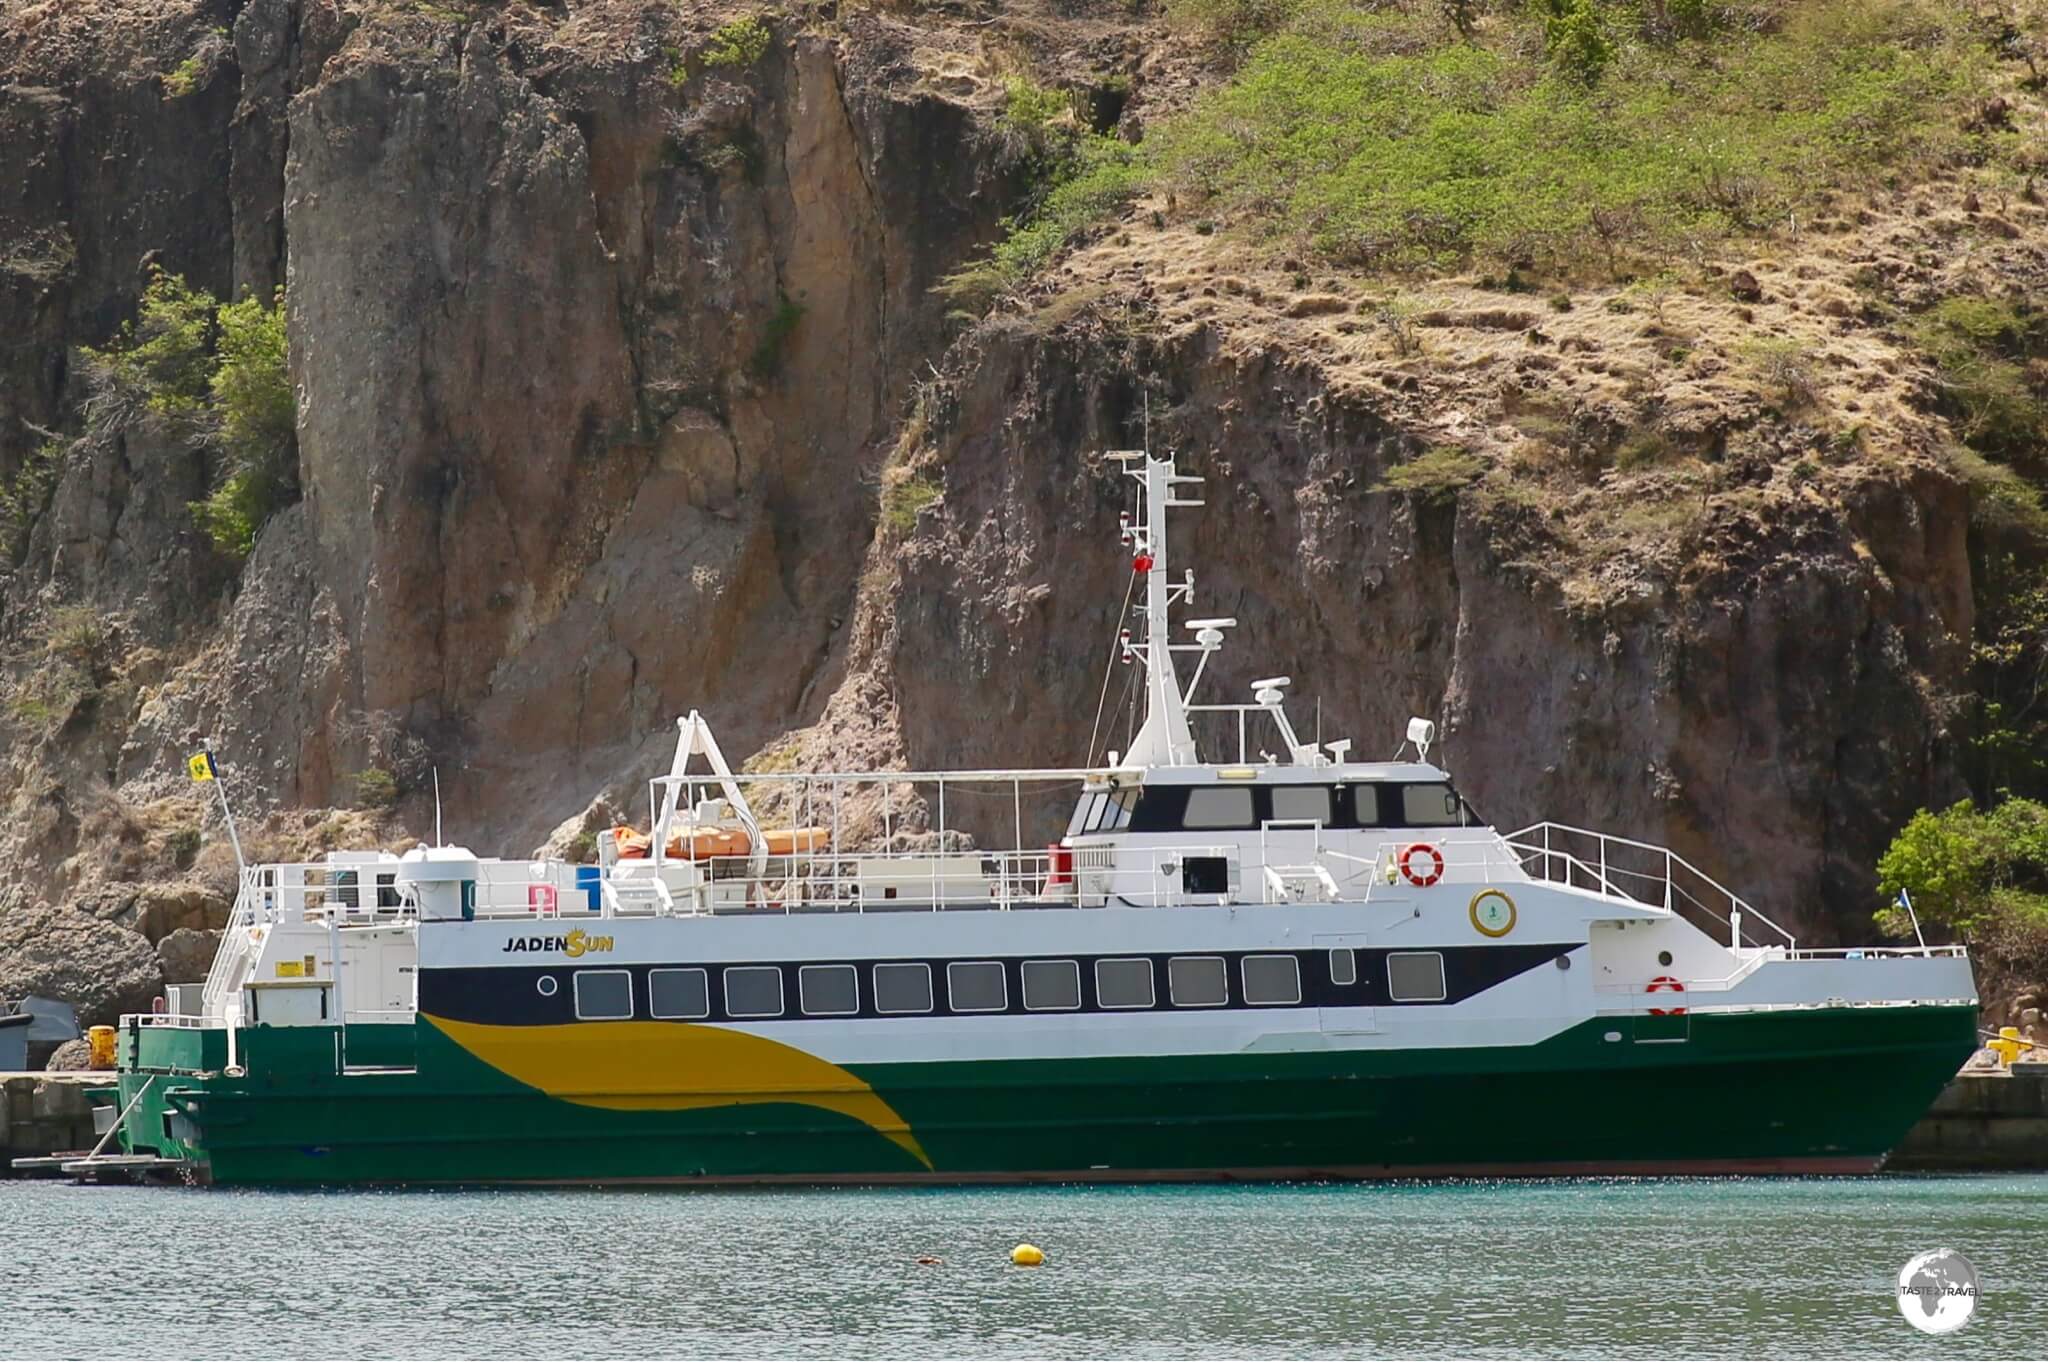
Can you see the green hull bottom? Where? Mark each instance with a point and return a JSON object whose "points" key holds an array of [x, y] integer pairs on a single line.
{"points": [[1817, 1090]]}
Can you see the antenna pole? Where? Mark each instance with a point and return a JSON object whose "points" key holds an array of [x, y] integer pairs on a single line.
{"points": [[439, 840]]}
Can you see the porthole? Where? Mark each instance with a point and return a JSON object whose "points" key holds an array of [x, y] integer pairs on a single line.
{"points": [[546, 986], [1663, 957]]}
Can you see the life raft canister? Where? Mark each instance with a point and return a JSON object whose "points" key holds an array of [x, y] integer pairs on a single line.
{"points": [[1665, 983], [1425, 878]]}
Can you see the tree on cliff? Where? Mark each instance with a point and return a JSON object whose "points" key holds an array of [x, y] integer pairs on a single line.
{"points": [[1976, 875], [212, 375]]}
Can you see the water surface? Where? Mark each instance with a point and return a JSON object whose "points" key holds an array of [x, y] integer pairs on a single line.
{"points": [[1598, 1268]]}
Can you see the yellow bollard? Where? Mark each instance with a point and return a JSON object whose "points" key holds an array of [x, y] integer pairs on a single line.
{"points": [[2006, 1046], [1027, 1255], [100, 1041]]}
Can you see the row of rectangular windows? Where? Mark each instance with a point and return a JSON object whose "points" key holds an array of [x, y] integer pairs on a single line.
{"points": [[1232, 807], [903, 989]]}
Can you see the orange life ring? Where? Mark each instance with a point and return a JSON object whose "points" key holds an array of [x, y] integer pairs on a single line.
{"points": [[1436, 864], [1665, 983]]}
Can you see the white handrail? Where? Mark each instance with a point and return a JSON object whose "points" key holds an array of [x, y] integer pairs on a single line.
{"points": [[1665, 884]]}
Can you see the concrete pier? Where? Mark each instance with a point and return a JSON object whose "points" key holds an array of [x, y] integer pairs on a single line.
{"points": [[46, 1113], [1981, 1123]]}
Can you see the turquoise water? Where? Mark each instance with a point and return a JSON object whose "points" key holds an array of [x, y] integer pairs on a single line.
{"points": [[1762, 1268]]}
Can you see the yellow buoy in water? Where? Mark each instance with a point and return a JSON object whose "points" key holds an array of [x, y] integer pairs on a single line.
{"points": [[1027, 1255]]}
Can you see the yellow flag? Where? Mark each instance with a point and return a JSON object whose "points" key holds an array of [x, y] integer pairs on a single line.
{"points": [[200, 764]]}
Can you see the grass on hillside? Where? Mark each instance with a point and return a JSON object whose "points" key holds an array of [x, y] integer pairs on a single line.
{"points": [[1382, 136]]}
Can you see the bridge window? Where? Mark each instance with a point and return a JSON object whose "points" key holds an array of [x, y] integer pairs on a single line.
{"points": [[1430, 806], [1343, 967], [1052, 985], [903, 988], [1301, 804], [603, 995], [1197, 981], [977, 986], [1272, 980], [678, 994], [829, 990], [1124, 983], [1103, 811], [1416, 976], [1089, 808], [1218, 808], [1365, 806], [753, 991]]}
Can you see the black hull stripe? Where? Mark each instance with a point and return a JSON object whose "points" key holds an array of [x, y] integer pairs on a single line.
{"points": [[510, 995]]}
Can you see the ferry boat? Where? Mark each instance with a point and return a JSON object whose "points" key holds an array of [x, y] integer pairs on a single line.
{"points": [[1288, 964]]}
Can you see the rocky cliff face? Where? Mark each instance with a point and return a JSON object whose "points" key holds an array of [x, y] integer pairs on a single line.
{"points": [[605, 331], [596, 343]]}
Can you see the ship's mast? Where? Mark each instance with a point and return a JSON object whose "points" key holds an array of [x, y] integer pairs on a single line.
{"points": [[1164, 739]]}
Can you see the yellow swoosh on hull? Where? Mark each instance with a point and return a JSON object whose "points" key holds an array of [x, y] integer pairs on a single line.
{"points": [[674, 1066]]}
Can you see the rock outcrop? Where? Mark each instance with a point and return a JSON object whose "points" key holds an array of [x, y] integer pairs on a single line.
{"points": [[100, 968]]}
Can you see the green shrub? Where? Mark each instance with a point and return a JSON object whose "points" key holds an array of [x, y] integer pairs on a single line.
{"points": [[1101, 176], [183, 79], [80, 634], [901, 502], [1575, 37], [375, 788], [216, 375], [1436, 475], [766, 361], [183, 846], [1784, 367], [1965, 868], [1979, 347], [740, 43], [25, 496], [2002, 503], [1029, 110], [257, 413], [161, 363]]}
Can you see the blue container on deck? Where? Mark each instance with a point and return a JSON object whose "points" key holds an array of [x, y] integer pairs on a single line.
{"points": [[587, 878]]}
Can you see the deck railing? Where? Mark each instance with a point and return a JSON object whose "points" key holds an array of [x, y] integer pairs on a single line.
{"points": [[1640, 872]]}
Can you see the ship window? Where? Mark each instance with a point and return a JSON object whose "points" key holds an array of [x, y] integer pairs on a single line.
{"points": [[678, 994], [1197, 981], [1085, 812], [1052, 985], [976, 986], [1124, 983], [829, 990], [753, 991], [1114, 812], [1301, 804], [1365, 805], [1429, 806], [1415, 976], [903, 988], [1222, 808], [1343, 966], [603, 995], [1272, 980]]}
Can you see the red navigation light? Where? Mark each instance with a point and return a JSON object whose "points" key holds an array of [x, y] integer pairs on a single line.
{"points": [[1142, 563]]}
